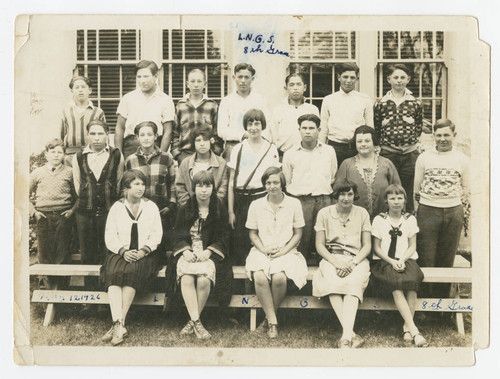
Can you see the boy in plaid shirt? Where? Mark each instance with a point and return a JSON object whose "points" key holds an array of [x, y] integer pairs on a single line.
{"points": [[158, 167], [398, 125]]}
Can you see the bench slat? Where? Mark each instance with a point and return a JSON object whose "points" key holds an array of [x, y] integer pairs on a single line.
{"points": [[432, 274]]}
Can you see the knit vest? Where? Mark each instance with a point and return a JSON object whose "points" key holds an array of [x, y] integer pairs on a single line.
{"points": [[100, 194]]}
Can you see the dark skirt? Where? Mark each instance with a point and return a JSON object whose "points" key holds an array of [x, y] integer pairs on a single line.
{"points": [[389, 279], [140, 275]]}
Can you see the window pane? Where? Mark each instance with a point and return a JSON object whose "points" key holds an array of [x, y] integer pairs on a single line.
{"points": [[129, 44], [390, 45], [426, 72], [176, 44], [304, 44], [81, 70], [439, 45], [341, 45], [177, 81], [414, 83], [427, 110], [108, 44], [195, 44], [166, 49], [428, 44], [128, 79], [323, 45], [353, 45], [321, 79], [214, 44], [166, 79], [110, 81], [440, 78], [91, 45], [109, 107], [213, 89], [92, 75], [80, 45], [411, 46]]}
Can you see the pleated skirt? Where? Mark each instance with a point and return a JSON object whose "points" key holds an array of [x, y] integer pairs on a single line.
{"points": [[390, 280]]}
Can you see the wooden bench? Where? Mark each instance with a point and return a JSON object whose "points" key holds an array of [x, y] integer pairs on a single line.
{"points": [[432, 275]]}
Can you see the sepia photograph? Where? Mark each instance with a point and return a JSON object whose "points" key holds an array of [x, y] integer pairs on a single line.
{"points": [[251, 190]]}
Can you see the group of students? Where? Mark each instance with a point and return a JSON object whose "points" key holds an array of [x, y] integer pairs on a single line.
{"points": [[308, 187]]}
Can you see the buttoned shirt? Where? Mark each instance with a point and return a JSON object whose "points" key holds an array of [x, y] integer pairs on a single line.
{"points": [[284, 128], [310, 172], [345, 235], [342, 113], [231, 111], [96, 161], [137, 108], [275, 228]]}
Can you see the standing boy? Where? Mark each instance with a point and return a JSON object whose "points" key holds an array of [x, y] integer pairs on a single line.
{"points": [[51, 188], [309, 169], [284, 130], [77, 115], [441, 181], [158, 167], [97, 171], [146, 103], [192, 111], [234, 106], [398, 125], [343, 111]]}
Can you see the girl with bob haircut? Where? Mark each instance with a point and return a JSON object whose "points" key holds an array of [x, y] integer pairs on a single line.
{"points": [[343, 240], [132, 235], [275, 223], [394, 265], [200, 258], [249, 160]]}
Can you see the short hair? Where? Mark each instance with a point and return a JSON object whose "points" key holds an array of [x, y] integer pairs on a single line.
{"points": [[343, 67], [143, 124], [196, 70], [254, 115], [443, 123], [146, 64], [97, 122], [203, 177], [298, 75], [274, 171], [53, 143], [309, 117], [84, 78], [202, 130], [244, 66], [364, 129], [344, 185], [395, 189], [398, 66], [130, 175]]}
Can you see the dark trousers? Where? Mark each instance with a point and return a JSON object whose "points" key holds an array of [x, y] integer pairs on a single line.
{"points": [[437, 242], [311, 205], [405, 165], [54, 238], [92, 246], [343, 151]]}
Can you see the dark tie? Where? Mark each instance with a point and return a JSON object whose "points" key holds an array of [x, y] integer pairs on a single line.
{"points": [[395, 233], [134, 232]]}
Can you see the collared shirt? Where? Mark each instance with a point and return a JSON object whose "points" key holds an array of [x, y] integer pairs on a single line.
{"points": [[96, 162], [310, 172], [284, 128], [117, 234], [190, 116], [275, 229], [382, 225], [342, 113], [441, 178], [159, 170], [249, 160], [343, 235], [398, 122], [74, 124], [231, 111], [136, 108]]}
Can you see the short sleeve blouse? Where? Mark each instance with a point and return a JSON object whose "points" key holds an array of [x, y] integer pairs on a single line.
{"points": [[382, 226]]}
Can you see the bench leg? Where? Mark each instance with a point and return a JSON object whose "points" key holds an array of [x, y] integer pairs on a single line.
{"points": [[460, 323], [253, 319], [49, 314]]}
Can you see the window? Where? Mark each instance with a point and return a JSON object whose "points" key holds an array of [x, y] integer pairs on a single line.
{"points": [[184, 50], [315, 53], [422, 52], [108, 58]]}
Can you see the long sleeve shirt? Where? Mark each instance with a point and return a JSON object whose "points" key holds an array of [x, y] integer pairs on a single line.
{"points": [[342, 113]]}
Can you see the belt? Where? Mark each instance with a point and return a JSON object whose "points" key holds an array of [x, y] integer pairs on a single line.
{"points": [[252, 192]]}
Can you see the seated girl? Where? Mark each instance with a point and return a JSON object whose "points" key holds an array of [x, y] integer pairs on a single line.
{"points": [[133, 233], [395, 265], [275, 224], [200, 255], [343, 240]]}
